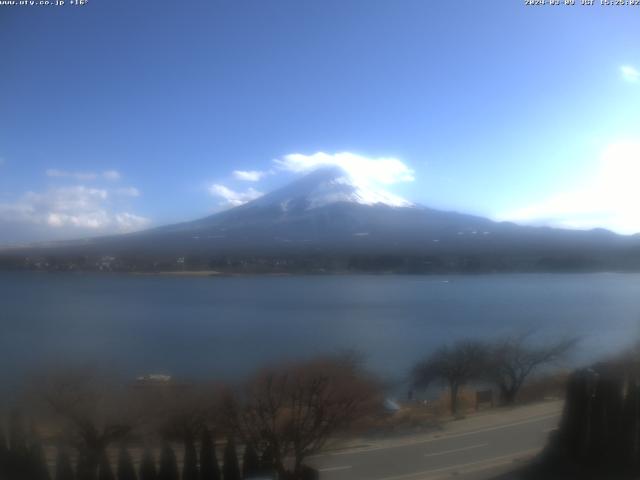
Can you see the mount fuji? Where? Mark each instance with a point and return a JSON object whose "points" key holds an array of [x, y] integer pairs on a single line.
{"points": [[325, 221]]}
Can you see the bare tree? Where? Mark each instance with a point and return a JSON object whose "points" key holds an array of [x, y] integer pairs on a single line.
{"points": [[292, 411], [513, 359], [94, 411], [454, 365], [178, 410], [182, 414]]}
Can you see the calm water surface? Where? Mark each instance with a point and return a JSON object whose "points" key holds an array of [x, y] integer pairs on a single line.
{"points": [[228, 326]]}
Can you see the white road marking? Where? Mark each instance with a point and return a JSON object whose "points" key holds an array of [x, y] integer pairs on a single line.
{"points": [[462, 449], [439, 438], [335, 469], [488, 461]]}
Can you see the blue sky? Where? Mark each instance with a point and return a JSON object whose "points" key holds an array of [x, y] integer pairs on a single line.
{"points": [[119, 115]]}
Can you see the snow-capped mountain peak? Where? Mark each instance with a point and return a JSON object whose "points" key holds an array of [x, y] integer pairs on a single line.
{"points": [[326, 186]]}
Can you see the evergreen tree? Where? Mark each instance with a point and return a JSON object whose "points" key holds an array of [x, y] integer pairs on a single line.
{"points": [[209, 469], [630, 438], [37, 462], [574, 433], [4, 454], [126, 471], [250, 462], [602, 409], [17, 433], [267, 462], [105, 472], [190, 462], [168, 465], [231, 469], [86, 469], [17, 460], [308, 473], [148, 466], [64, 471]]}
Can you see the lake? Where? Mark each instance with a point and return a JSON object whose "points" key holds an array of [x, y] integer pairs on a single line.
{"points": [[225, 327]]}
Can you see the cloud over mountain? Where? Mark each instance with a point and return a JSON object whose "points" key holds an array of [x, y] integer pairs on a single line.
{"points": [[368, 177], [384, 170], [232, 198]]}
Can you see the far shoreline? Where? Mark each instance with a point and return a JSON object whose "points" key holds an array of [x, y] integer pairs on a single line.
{"points": [[227, 274], [204, 273]]}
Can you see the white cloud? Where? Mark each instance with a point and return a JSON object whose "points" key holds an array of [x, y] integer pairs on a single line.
{"points": [[231, 197], [249, 175], [111, 175], [127, 192], [629, 73], [369, 176], [75, 208], [129, 222], [609, 199], [81, 176], [385, 170]]}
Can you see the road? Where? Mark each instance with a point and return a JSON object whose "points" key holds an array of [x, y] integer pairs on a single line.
{"points": [[463, 450]]}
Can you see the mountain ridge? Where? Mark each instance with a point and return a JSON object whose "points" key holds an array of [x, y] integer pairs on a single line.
{"points": [[327, 217]]}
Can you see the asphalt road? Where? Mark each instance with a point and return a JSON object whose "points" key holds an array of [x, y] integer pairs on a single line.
{"points": [[458, 453]]}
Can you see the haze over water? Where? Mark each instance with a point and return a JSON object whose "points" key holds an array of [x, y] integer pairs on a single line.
{"points": [[227, 327]]}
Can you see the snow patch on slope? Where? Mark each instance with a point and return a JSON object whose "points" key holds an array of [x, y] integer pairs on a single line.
{"points": [[326, 186], [345, 189]]}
